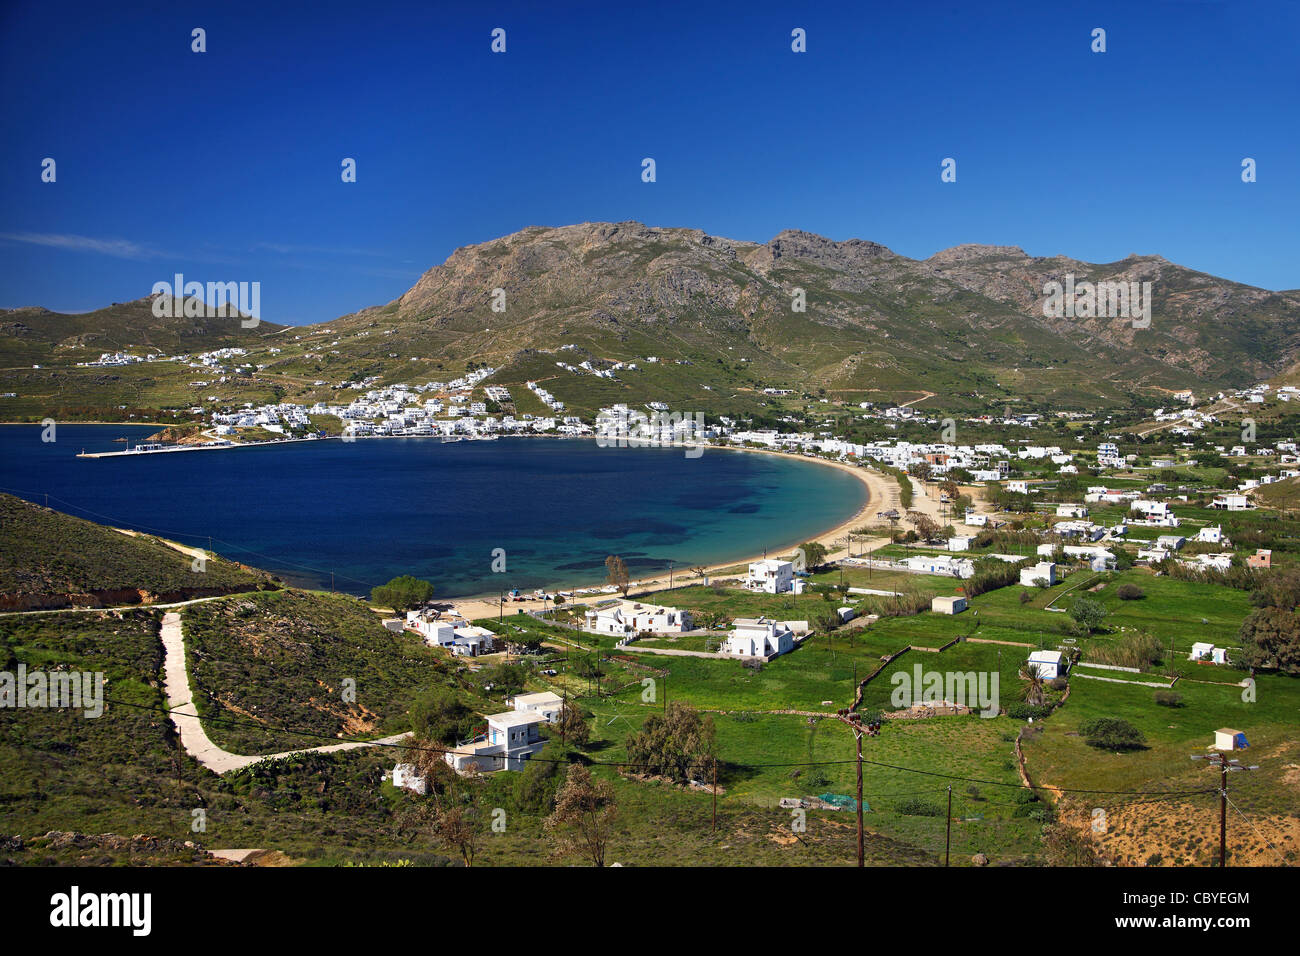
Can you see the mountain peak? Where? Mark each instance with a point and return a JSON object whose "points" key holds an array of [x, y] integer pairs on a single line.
{"points": [[973, 250]]}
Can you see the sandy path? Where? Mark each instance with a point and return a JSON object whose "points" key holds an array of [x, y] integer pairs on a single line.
{"points": [[194, 738]]}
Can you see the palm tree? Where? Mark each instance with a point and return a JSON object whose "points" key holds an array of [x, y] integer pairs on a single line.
{"points": [[1034, 690]]}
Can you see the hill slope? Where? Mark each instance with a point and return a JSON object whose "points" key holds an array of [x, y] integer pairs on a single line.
{"points": [[51, 560], [968, 323]]}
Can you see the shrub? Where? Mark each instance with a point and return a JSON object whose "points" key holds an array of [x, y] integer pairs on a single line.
{"points": [[1168, 698], [1025, 597], [1112, 733], [1129, 592], [916, 807]]}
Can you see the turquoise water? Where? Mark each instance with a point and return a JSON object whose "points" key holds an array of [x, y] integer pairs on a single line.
{"points": [[372, 509]]}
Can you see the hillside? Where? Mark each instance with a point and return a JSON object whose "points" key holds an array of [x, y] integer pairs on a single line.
{"points": [[967, 324], [52, 560]]}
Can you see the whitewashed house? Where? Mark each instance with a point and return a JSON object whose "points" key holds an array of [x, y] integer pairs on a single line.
{"points": [[623, 618], [436, 633], [512, 737], [544, 704], [470, 640], [773, 577], [1048, 663], [1232, 503], [1042, 571], [941, 564], [759, 637], [1202, 651]]}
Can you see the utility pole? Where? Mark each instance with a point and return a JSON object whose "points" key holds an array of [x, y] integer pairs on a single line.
{"points": [[947, 848], [854, 722], [1225, 766], [715, 795]]}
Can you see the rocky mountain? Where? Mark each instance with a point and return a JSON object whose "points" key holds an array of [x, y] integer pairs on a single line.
{"points": [[722, 316]]}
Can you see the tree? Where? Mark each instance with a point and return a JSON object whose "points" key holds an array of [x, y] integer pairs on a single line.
{"points": [[583, 820], [814, 554], [572, 725], [1033, 691], [451, 808], [926, 527], [1088, 614], [403, 593], [677, 744], [617, 573], [1270, 639], [506, 678], [439, 716]]}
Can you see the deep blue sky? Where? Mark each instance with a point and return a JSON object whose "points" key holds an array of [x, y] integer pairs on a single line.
{"points": [[225, 165]]}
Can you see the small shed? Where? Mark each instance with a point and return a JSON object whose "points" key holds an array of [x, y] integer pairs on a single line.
{"points": [[1202, 651], [1048, 664], [1225, 738], [948, 604]]}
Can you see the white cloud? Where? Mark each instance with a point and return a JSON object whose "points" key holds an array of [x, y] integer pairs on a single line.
{"points": [[120, 248]]}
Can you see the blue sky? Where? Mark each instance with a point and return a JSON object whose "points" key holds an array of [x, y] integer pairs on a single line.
{"points": [[226, 165]]}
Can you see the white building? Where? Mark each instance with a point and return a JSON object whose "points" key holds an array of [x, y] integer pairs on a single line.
{"points": [[1042, 571], [1231, 503], [544, 704], [948, 604], [1048, 663], [773, 577], [759, 637], [623, 618], [941, 564], [436, 633], [511, 739], [470, 640], [1208, 652]]}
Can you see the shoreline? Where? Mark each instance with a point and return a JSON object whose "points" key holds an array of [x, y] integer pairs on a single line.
{"points": [[877, 488], [876, 485]]}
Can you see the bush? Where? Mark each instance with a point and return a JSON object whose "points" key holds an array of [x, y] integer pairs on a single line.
{"points": [[1112, 733], [1129, 592], [1025, 597], [916, 807], [1168, 698]]}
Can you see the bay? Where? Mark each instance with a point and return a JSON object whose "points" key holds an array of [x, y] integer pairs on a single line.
{"points": [[373, 509]]}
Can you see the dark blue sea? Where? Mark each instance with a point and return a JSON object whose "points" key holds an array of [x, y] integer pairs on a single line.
{"points": [[373, 509]]}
